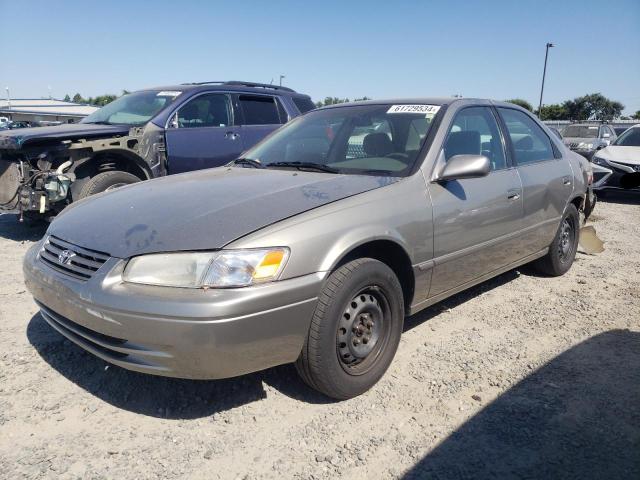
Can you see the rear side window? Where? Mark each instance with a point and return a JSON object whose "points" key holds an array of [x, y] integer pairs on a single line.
{"points": [[303, 104], [205, 111], [530, 143], [259, 110]]}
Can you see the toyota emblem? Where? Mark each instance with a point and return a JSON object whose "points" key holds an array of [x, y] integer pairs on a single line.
{"points": [[65, 256]]}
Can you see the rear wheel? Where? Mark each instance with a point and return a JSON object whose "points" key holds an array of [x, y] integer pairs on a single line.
{"points": [[106, 181], [355, 330], [562, 250]]}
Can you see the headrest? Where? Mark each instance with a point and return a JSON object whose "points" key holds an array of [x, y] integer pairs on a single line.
{"points": [[525, 143], [463, 143], [377, 145]]}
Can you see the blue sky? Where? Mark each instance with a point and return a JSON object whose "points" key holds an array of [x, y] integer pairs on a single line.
{"points": [[342, 48]]}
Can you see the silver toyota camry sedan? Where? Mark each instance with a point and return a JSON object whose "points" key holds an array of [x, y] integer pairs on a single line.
{"points": [[314, 245]]}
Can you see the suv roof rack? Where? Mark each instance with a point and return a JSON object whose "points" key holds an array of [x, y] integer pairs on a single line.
{"points": [[244, 84]]}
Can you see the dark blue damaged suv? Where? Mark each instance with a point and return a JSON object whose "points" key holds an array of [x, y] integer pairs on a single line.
{"points": [[141, 135]]}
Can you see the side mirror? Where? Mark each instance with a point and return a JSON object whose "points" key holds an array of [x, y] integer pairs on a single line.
{"points": [[465, 166]]}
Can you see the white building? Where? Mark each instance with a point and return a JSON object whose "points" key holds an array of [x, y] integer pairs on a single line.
{"points": [[44, 110]]}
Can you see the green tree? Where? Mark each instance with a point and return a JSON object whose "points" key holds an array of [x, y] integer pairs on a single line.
{"points": [[336, 100], [593, 106], [67, 98], [522, 103], [77, 98], [102, 100], [636, 116], [554, 111]]}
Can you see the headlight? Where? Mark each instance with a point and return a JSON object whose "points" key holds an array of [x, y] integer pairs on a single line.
{"points": [[600, 161], [585, 146], [226, 268]]}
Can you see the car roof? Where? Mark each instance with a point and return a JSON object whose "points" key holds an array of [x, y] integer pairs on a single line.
{"points": [[440, 101], [234, 86]]}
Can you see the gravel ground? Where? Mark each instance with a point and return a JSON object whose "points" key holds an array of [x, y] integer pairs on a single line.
{"points": [[522, 376]]}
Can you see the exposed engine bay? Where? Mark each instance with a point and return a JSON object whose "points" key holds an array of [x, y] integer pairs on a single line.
{"points": [[41, 175]]}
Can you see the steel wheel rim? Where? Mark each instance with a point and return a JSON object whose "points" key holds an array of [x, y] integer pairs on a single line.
{"points": [[363, 330], [567, 239]]}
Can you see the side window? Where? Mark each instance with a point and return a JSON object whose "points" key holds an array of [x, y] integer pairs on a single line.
{"points": [[303, 104], [284, 118], [212, 110], [530, 143], [475, 132], [259, 110]]}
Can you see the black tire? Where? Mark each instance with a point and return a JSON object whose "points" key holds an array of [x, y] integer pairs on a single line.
{"points": [[562, 250], [106, 181], [366, 295]]}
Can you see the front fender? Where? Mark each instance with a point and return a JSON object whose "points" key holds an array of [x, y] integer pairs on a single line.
{"points": [[319, 238]]}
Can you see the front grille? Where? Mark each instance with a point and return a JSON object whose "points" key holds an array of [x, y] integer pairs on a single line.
{"points": [[77, 262], [573, 145]]}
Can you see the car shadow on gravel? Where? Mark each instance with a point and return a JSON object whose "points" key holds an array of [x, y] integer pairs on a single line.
{"points": [[160, 396], [578, 416], [12, 229]]}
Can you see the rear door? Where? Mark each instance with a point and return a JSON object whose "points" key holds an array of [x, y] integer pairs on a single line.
{"points": [[203, 134], [547, 178], [476, 220], [259, 115]]}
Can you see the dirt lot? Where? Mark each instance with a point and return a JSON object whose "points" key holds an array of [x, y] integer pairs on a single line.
{"points": [[522, 376]]}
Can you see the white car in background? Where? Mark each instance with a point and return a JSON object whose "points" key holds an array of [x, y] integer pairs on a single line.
{"points": [[619, 163]]}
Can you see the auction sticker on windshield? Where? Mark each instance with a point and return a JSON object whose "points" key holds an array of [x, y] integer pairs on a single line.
{"points": [[420, 109], [168, 93]]}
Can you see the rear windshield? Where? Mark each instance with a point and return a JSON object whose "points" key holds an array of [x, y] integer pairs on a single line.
{"points": [[303, 104], [365, 139], [581, 131], [630, 138]]}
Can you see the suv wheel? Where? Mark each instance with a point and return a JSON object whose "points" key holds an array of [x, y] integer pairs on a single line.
{"points": [[355, 330], [106, 181], [563, 249]]}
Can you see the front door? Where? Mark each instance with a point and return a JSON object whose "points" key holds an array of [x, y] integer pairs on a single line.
{"points": [[547, 178], [203, 134], [476, 220]]}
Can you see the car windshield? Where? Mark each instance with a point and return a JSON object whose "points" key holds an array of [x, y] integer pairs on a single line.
{"points": [[133, 108], [359, 139], [581, 131], [630, 138]]}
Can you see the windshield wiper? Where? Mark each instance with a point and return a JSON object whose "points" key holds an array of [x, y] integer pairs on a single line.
{"points": [[305, 165], [247, 161], [100, 122]]}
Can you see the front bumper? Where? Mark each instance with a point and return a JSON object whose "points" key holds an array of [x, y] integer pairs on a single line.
{"points": [[186, 333]]}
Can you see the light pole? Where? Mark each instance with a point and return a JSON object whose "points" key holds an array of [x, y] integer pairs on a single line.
{"points": [[544, 73], [281, 77], [8, 98]]}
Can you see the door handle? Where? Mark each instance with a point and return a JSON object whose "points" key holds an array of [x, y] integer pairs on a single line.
{"points": [[513, 194], [232, 135], [566, 181]]}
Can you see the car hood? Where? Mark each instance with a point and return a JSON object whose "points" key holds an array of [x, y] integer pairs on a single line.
{"points": [[617, 153], [200, 210], [21, 137]]}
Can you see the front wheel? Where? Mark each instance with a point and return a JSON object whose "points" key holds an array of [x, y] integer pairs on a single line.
{"points": [[355, 330], [107, 181], [562, 250]]}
